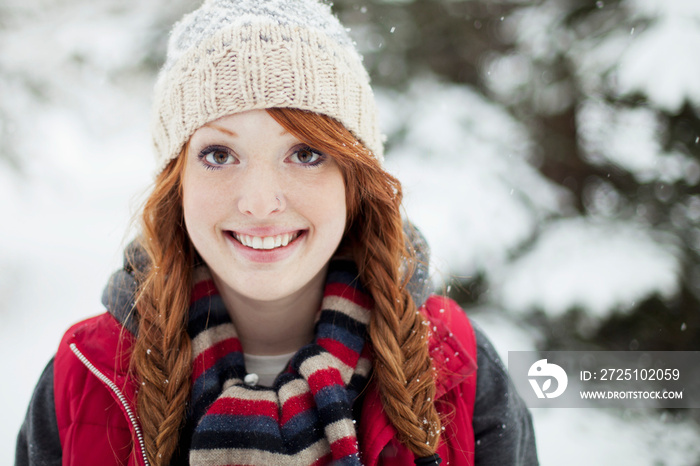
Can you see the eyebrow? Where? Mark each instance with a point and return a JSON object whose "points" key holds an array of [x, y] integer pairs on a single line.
{"points": [[221, 129], [233, 133]]}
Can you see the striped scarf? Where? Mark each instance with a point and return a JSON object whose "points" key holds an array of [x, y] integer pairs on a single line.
{"points": [[306, 417]]}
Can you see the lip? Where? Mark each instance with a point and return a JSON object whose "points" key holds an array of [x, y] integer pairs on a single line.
{"points": [[266, 255], [266, 231]]}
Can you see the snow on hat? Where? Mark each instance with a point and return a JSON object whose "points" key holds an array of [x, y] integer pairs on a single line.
{"points": [[229, 56]]}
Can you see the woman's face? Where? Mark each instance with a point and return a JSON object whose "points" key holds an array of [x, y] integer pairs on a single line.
{"points": [[265, 211]]}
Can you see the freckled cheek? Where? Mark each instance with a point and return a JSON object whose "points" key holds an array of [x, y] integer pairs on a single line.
{"points": [[202, 204], [330, 204], [320, 200], [339, 210]]}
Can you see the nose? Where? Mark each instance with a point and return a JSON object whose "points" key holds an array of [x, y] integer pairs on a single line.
{"points": [[260, 193]]}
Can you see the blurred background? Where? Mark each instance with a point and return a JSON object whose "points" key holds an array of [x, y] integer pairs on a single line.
{"points": [[549, 150]]}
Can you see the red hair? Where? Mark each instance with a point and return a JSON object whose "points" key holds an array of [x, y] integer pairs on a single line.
{"points": [[374, 236]]}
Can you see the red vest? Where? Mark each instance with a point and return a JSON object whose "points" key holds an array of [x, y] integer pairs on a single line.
{"points": [[96, 408]]}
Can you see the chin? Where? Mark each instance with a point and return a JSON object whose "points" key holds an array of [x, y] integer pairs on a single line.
{"points": [[266, 287]]}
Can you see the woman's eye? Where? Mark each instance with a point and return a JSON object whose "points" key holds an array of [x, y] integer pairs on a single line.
{"points": [[217, 156], [307, 156]]}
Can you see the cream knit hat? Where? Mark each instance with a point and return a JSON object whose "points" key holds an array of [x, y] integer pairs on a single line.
{"points": [[229, 56]]}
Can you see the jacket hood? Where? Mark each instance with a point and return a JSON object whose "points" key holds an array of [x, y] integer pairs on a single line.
{"points": [[119, 294]]}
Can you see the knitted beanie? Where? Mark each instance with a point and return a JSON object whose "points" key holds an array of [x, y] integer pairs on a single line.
{"points": [[230, 56]]}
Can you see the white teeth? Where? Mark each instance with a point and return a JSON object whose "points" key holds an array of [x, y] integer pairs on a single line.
{"points": [[266, 242]]}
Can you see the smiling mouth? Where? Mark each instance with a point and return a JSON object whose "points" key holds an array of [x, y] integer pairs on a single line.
{"points": [[266, 242]]}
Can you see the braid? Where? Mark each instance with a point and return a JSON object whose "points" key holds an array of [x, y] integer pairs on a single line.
{"points": [[402, 363], [161, 357], [398, 332]]}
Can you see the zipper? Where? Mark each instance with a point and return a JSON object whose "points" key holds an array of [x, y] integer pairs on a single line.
{"points": [[112, 386]]}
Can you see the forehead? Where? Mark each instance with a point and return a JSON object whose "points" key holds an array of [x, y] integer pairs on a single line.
{"points": [[253, 126], [237, 125]]}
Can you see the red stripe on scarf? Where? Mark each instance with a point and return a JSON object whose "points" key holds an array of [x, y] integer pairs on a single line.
{"points": [[207, 358], [322, 460], [201, 289], [239, 407], [295, 405], [349, 293], [324, 378], [343, 447], [340, 351]]}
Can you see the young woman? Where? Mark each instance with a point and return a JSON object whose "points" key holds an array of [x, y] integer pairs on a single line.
{"points": [[274, 309]]}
